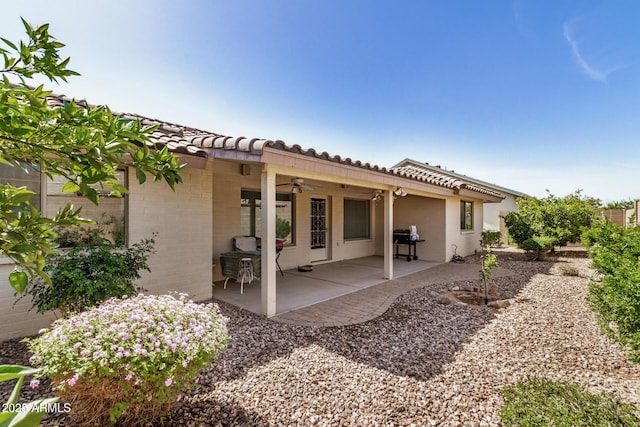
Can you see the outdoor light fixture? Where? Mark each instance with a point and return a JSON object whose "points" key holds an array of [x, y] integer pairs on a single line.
{"points": [[296, 189], [377, 195], [400, 192]]}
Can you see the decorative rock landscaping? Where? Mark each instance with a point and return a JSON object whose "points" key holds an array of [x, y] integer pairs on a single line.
{"points": [[420, 363]]}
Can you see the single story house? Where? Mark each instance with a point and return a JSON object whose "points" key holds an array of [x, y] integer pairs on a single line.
{"points": [[328, 208], [493, 213]]}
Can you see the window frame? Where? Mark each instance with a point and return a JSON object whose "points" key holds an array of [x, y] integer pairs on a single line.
{"points": [[46, 184], [464, 224], [345, 223], [254, 204]]}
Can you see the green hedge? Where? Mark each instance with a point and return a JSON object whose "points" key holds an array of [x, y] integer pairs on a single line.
{"points": [[615, 293]]}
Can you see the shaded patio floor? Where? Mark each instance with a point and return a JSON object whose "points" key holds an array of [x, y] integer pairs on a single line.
{"points": [[296, 290]]}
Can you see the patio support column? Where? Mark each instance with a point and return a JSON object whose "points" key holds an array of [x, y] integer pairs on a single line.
{"points": [[388, 234], [268, 278]]}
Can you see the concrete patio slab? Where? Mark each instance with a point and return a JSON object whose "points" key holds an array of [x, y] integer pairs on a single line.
{"points": [[370, 302], [296, 290]]}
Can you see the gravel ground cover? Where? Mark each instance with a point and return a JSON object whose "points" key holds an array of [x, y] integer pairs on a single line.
{"points": [[420, 363]]}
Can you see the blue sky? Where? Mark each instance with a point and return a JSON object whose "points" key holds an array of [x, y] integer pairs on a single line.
{"points": [[530, 95]]}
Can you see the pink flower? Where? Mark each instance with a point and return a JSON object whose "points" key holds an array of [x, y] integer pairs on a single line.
{"points": [[178, 398], [34, 383], [73, 380], [168, 382], [128, 377]]}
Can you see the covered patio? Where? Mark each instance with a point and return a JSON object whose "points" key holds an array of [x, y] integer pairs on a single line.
{"points": [[296, 290]]}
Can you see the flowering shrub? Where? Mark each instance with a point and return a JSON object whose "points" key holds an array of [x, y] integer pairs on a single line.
{"points": [[129, 359]]}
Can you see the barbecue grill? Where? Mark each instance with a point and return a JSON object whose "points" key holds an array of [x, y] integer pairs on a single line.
{"points": [[404, 237]]}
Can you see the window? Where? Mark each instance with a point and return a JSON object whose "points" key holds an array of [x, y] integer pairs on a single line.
{"points": [[466, 215], [19, 178], [109, 214], [251, 215], [357, 219]]}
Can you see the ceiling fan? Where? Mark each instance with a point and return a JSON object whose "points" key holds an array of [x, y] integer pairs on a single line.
{"points": [[296, 186]]}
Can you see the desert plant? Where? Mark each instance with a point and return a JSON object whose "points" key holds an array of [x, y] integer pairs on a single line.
{"points": [[568, 269], [129, 359], [491, 239], [84, 276], [542, 402], [488, 262], [537, 246]]}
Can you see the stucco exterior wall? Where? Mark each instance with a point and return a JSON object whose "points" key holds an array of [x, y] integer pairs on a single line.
{"points": [[182, 261], [467, 241], [17, 321], [182, 221], [428, 215], [492, 212]]}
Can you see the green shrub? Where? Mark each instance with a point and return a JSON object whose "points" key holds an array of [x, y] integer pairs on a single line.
{"points": [[84, 276], [537, 246], [542, 402], [518, 227], [491, 239], [615, 293], [129, 359], [107, 231], [561, 219], [283, 228]]}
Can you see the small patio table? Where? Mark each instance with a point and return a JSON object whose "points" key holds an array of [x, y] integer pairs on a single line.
{"points": [[230, 263]]}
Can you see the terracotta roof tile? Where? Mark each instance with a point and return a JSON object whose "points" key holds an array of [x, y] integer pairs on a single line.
{"points": [[444, 180], [196, 142]]}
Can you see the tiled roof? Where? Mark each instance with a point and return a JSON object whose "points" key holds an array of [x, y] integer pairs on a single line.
{"points": [[470, 182], [171, 136], [444, 180], [195, 142], [209, 142]]}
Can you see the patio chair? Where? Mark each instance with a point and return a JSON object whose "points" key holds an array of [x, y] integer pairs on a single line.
{"points": [[252, 244], [245, 243]]}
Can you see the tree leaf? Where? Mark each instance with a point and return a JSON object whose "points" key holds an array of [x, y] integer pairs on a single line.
{"points": [[11, 372], [70, 187], [141, 176], [18, 280], [13, 46]]}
